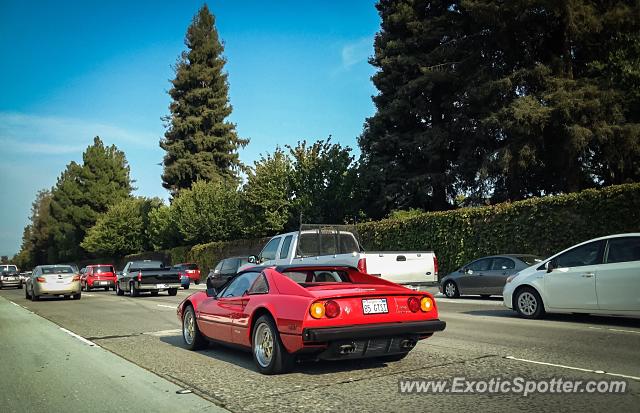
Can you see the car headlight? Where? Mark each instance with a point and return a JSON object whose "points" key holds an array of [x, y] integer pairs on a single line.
{"points": [[511, 277]]}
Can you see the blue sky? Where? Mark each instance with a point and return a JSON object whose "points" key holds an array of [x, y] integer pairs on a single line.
{"points": [[73, 70]]}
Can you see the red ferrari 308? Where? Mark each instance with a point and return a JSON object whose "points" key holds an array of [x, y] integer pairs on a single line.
{"points": [[321, 312]]}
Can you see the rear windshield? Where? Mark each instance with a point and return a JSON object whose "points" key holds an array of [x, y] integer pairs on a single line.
{"points": [[147, 264], [318, 276], [190, 266], [102, 268], [57, 270], [530, 259], [327, 243]]}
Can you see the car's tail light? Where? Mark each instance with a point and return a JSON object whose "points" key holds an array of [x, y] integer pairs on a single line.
{"points": [[331, 309], [317, 310], [139, 276], [76, 278], [426, 304], [41, 280], [414, 304], [362, 265], [435, 266]]}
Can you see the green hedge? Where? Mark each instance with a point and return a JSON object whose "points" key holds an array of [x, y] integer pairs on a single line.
{"points": [[208, 255], [539, 226]]}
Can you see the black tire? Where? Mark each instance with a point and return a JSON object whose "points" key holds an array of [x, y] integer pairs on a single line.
{"points": [[197, 282], [26, 294], [20, 287], [279, 360], [35, 297], [106, 288], [191, 335], [172, 291], [485, 296], [133, 291], [450, 290], [186, 287], [528, 303], [66, 297], [154, 293], [394, 357], [119, 290], [77, 296]]}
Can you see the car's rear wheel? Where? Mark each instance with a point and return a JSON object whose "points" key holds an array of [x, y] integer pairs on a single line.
{"points": [[77, 296], [133, 291], [172, 291], [528, 303], [20, 287], [66, 297], [119, 290], [186, 287], [35, 297], [26, 294], [191, 334], [270, 356], [154, 293], [451, 290]]}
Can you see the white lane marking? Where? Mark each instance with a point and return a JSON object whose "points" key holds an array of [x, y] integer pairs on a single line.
{"points": [[17, 305], [163, 333], [173, 307], [84, 340], [562, 366], [617, 330]]}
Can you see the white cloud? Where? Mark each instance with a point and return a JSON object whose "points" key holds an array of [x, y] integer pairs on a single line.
{"points": [[357, 52], [28, 133]]}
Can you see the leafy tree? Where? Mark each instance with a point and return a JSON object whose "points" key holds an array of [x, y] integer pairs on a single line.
{"points": [[199, 143], [323, 182], [209, 211], [123, 229], [267, 194], [35, 237], [82, 193], [163, 231]]}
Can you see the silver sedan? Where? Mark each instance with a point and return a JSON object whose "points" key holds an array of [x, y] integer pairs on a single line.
{"points": [[53, 280], [485, 276]]}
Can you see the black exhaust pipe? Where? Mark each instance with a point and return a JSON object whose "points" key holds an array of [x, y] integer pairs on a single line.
{"points": [[407, 344], [347, 348]]}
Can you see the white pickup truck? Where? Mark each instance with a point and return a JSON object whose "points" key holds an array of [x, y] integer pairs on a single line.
{"points": [[342, 248]]}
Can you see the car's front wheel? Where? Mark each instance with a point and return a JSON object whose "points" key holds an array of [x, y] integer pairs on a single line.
{"points": [[119, 290], [172, 291], [528, 303], [133, 291], [191, 334], [77, 296], [451, 290], [270, 356]]}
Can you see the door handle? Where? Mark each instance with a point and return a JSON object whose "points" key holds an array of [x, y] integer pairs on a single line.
{"points": [[588, 275]]}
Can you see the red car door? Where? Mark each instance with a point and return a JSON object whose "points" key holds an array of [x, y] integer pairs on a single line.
{"points": [[214, 318], [242, 307]]}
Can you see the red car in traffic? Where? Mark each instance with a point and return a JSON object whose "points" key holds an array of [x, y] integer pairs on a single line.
{"points": [[322, 312], [191, 270], [98, 276]]}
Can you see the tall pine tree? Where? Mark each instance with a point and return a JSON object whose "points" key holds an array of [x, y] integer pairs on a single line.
{"points": [[199, 143]]}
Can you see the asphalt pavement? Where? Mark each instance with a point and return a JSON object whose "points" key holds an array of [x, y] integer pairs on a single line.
{"points": [[482, 340]]}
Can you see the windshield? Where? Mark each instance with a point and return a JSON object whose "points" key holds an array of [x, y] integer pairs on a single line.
{"points": [[318, 276], [57, 270], [530, 259], [8, 268]]}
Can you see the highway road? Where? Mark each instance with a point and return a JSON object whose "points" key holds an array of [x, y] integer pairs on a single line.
{"points": [[483, 340]]}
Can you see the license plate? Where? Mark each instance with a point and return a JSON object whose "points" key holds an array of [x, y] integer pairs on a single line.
{"points": [[103, 283], [161, 286], [375, 306]]}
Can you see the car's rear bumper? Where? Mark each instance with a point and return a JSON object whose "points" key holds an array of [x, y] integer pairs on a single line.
{"points": [[155, 287], [417, 328], [67, 289], [101, 283]]}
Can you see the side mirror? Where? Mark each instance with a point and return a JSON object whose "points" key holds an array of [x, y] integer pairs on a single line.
{"points": [[252, 259], [551, 265], [212, 292], [468, 271]]}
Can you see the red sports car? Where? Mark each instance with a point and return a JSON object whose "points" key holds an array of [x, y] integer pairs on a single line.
{"points": [[323, 312]]}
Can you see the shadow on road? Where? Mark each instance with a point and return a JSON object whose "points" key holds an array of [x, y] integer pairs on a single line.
{"points": [[618, 321], [244, 359]]}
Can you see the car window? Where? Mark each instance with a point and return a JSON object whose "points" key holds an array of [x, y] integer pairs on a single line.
{"points": [[229, 266], [480, 265], [623, 250], [284, 251], [102, 268], [260, 286], [587, 254], [502, 263], [530, 259], [57, 270], [317, 276], [218, 267], [269, 251], [239, 285]]}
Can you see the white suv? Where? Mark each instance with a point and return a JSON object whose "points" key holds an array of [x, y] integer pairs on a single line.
{"points": [[599, 276]]}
